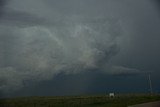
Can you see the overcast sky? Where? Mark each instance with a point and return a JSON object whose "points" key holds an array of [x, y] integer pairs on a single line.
{"points": [[72, 47]]}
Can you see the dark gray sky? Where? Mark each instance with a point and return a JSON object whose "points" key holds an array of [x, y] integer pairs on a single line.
{"points": [[72, 47]]}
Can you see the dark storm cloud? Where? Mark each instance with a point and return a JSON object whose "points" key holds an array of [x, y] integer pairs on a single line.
{"points": [[40, 39], [157, 2], [38, 52], [20, 19], [2, 3], [144, 49]]}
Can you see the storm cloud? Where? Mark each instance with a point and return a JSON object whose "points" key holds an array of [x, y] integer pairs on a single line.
{"points": [[39, 52], [40, 39]]}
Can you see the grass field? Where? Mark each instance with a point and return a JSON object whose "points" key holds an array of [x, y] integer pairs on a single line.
{"points": [[79, 101]]}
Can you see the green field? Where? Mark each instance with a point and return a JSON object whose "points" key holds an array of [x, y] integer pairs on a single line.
{"points": [[79, 101]]}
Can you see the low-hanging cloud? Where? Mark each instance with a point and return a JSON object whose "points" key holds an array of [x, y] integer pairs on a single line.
{"points": [[34, 49], [39, 52]]}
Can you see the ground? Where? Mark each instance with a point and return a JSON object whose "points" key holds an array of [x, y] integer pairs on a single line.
{"points": [[79, 101]]}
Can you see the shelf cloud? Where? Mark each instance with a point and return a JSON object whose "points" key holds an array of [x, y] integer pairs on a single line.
{"points": [[39, 40]]}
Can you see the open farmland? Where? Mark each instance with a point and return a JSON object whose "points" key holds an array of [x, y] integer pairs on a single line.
{"points": [[79, 101]]}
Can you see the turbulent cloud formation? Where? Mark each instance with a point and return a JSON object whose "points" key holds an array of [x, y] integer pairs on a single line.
{"points": [[38, 53], [39, 40]]}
